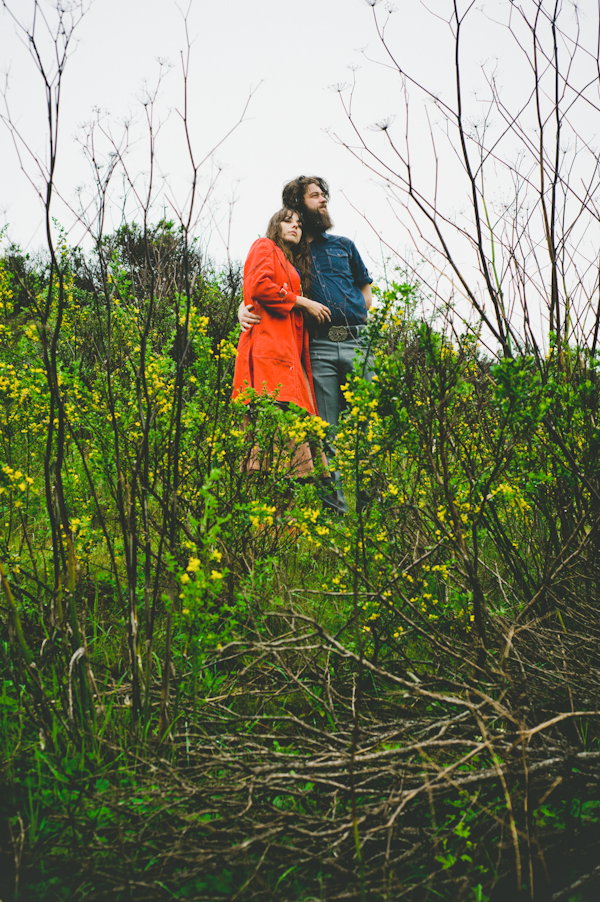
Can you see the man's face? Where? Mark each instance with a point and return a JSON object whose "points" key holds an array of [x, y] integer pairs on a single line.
{"points": [[316, 214], [314, 199]]}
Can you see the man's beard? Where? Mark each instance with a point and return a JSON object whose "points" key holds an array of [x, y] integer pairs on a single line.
{"points": [[316, 221]]}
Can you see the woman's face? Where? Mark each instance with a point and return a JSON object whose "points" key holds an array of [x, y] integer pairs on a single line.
{"points": [[291, 229]]}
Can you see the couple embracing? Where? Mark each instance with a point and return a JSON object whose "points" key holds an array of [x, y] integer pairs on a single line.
{"points": [[304, 312]]}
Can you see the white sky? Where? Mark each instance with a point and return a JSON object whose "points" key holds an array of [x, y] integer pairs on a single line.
{"points": [[290, 54]]}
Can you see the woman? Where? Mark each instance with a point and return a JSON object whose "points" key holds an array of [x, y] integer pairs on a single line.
{"points": [[273, 355]]}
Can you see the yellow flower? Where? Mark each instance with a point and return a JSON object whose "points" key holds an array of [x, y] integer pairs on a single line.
{"points": [[194, 565]]}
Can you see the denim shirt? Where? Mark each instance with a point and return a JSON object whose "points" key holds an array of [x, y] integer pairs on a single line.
{"points": [[338, 273]]}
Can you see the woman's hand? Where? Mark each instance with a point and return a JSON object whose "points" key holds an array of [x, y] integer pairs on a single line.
{"points": [[246, 317], [317, 311]]}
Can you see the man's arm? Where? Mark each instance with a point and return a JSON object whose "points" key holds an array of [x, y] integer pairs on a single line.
{"points": [[367, 294], [246, 317], [360, 274]]}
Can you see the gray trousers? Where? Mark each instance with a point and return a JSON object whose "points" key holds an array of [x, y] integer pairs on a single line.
{"points": [[332, 362]]}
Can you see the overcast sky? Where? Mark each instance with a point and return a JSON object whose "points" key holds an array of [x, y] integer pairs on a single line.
{"points": [[288, 56], [284, 60]]}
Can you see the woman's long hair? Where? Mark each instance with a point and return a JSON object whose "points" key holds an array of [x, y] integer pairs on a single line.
{"points": [[297, 254]]}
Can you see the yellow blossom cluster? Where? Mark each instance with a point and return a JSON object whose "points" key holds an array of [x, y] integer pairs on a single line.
{"points": [[261, 515], [14, 480]]}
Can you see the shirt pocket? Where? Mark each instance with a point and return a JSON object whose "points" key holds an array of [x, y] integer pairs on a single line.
{"points": [[337, 262]]}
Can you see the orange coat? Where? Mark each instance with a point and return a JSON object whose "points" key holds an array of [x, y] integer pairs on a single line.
{"points": [[271, 354]]}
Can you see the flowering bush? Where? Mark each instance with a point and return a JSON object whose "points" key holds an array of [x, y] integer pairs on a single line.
{"points": [[157, 548]]}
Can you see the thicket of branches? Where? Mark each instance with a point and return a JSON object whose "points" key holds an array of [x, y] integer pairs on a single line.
{"points": [[214, 690]]}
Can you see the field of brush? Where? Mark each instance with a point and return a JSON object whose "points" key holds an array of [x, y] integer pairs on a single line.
{"points": [[214, 690]]}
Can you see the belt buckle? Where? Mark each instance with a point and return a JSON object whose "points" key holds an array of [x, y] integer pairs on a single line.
{"points": [[338, 333]]}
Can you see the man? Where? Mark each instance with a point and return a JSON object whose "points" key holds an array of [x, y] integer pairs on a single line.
{"points": [[341, 282]]}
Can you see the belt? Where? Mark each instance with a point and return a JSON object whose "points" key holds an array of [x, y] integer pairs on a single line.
{"points": [[337, 333]]}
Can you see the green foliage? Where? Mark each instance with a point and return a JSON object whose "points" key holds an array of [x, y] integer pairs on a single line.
{"points": [[197, 656]]}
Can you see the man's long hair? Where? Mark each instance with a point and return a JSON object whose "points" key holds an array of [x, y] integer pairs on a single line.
{"points": [[293, 193], [297, 254]]}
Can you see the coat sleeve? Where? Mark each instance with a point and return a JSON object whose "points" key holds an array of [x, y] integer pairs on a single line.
{"points": [[263, 280]]}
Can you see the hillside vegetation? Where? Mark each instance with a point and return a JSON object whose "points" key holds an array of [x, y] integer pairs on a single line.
{"points": [[211, 688]]}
